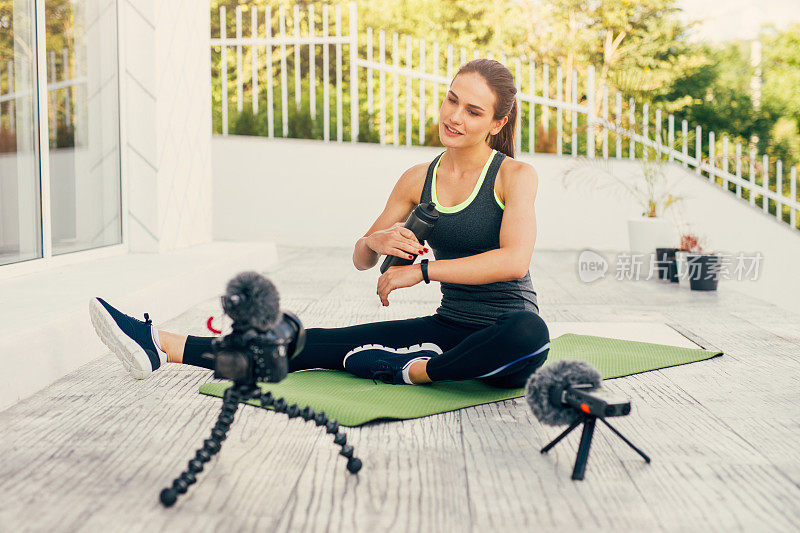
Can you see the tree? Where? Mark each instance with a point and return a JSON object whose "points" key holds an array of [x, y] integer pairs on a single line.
{"points": [[781, 92]]}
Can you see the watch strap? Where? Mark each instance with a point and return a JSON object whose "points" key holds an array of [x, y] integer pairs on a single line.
{"points": [[424, 266]]}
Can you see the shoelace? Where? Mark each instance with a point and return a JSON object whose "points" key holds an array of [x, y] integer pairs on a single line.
{"points": [[383, 373]]}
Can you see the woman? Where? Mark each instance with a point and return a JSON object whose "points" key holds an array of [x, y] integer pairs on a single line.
{"points": [[487, 326]]}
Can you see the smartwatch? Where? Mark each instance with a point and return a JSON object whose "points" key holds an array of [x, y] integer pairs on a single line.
{"points": [[424, 266]]}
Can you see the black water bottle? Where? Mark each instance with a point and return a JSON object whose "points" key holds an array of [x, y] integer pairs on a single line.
{"points": [[420, 221]]}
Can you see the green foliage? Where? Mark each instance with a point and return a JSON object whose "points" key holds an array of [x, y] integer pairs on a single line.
{"points": [[244, 123], [17, 46], [65, 136], [640, 48], [784, 139], [299, 122], [781, 94], [781, 58], [715, 93], [367, 132], [470, 23]]}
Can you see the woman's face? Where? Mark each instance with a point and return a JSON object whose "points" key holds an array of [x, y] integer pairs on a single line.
{"points": [[466, 115]]}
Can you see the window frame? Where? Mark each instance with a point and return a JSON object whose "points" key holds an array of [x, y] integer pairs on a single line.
{"points": [[48, 261]]}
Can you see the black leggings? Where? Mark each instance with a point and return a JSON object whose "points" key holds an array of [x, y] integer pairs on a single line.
{"points": [[503, 354]]}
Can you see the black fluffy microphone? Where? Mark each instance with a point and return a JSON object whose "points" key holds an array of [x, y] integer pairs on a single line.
{"points": [[569, 392], [251, 301], [545, 390], [256, 351]]}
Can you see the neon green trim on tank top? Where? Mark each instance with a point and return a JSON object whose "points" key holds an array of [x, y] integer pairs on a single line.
{"points": [[501, 204], [465, 203]]}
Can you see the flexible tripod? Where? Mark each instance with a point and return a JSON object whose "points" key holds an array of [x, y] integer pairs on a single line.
{"points": [[242, 392], [588, 422]]}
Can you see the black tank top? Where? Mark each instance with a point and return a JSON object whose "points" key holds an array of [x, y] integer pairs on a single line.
{"points": [[471, 228]]}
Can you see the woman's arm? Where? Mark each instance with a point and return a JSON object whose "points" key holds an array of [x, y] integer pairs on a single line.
{"points": [[363, 256], [517, 237], [510, 261], [399, 205]]}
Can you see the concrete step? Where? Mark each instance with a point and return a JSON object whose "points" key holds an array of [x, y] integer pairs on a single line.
{"points": [[45, 331]]}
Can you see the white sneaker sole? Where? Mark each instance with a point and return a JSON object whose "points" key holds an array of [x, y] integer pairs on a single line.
{"points": [[415, 348], [132, 356]]}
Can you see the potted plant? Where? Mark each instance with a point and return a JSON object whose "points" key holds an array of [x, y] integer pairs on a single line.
{"points": [[705, 275], [694, 265], [689, 243], [651, 230], [666, 264], [651, 189]]}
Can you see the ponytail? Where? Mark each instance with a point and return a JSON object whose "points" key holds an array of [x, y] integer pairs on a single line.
{"points": [[505, 140]]}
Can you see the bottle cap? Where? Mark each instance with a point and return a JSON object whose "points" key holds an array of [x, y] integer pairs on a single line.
{"points": [[427, 212]]}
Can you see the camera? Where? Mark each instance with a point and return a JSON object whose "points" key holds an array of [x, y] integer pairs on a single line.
{"points": [[595, 401], [256, 350], [571, 392]]}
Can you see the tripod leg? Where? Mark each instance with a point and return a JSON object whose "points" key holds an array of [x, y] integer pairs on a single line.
{"points": [[211, 446], [564, 434], [583, 450], [629, 443], [321, 419]]}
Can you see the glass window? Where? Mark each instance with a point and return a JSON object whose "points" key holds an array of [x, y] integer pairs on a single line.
{"points": [[83, 112], [20, 198]]}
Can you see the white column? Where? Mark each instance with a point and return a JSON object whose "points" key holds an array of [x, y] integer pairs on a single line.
{"points": [[167, 126]]}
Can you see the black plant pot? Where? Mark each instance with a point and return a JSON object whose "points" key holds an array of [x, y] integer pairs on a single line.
{"points": [[703, 272], [666, 264]]}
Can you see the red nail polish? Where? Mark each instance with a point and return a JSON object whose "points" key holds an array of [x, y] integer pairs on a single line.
{"points": [[411, 257]]}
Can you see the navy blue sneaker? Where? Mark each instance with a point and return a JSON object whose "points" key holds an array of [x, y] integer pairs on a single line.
{"points": [[130, 339], [390, 365]]}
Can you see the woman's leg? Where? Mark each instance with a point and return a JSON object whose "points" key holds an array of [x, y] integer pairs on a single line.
{"points": [[503, 354], [173, 345], [326, 347]]}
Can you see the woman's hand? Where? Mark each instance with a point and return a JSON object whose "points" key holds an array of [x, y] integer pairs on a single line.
{"points": [[397, 277], [397, 240]]}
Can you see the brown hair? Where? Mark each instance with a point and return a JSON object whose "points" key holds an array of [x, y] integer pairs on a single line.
{"points": [[501, 82]]}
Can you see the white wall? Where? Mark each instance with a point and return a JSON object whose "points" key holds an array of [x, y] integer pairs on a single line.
{"points": [[313, 193], [331, 193], [166, 122]]}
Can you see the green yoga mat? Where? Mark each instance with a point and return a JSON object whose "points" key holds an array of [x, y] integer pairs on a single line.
{"points": [[354, 401]]}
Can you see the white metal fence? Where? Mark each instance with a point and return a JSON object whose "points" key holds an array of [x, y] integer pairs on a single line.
{"points": [[552, 118]]}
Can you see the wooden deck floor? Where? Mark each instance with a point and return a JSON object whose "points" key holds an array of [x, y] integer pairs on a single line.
{"points": [[92, 451]]}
